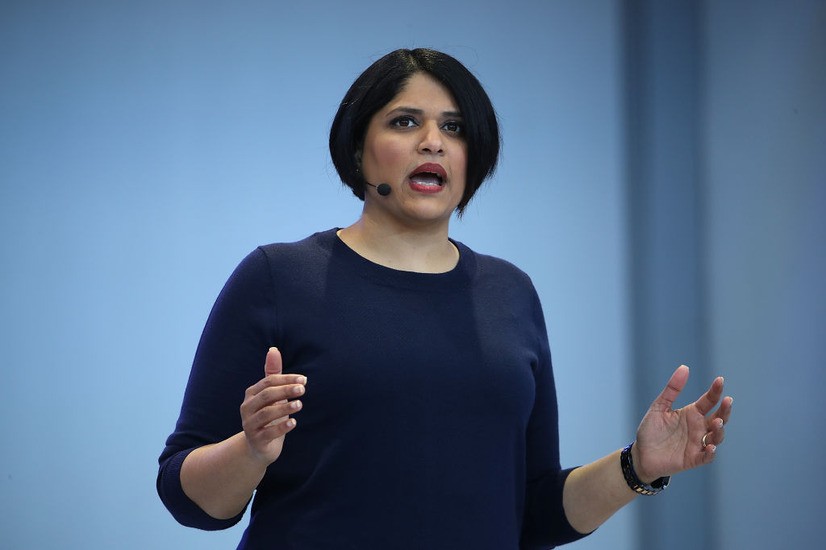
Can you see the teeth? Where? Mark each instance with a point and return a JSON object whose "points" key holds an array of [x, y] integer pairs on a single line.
{"points": [[427, 178]]}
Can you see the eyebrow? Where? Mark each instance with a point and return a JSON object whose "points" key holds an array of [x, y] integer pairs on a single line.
{"points": [[415, 111]]}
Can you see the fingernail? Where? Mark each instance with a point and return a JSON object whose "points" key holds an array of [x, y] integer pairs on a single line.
{"points": [[301, 380]]}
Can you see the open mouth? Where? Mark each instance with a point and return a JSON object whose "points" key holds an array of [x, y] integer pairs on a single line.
{"points": [[427, 178], [430, 174]]}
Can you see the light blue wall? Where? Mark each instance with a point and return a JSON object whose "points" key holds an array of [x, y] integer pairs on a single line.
{"points": [[765, 164], [663, 91], [146, 147]]}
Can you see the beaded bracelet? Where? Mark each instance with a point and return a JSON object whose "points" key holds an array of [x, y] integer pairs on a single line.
{"points": [[657, 486]]}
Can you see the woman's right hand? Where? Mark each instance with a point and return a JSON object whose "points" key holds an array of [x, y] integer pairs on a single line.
{"points": [[267, 406]]}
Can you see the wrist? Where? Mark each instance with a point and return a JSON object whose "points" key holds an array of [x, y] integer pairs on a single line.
{"points": [[640, 472], [251, 459], [627, 464]]}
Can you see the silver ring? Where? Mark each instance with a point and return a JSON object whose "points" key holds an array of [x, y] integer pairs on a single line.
{"points": [[704, 440]]}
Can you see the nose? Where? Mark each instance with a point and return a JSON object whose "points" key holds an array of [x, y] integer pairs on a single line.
{"points": [[431, 139]]}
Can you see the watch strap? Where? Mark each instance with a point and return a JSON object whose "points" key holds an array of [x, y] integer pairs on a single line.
{"points": [[655, 487]]}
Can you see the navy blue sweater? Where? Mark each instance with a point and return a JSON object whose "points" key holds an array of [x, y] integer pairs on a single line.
{"points": [[430, 417]]}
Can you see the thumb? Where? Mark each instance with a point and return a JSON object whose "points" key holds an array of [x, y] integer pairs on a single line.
{"points": [[669, 394], [273, 363]]}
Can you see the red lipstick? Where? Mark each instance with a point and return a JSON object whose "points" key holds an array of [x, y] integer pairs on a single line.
{"points": [[427, 178]]}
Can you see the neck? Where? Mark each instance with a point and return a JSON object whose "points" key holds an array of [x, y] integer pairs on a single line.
{"points": [[418, 250]]}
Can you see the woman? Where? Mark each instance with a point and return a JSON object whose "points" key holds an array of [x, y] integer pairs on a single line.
{"points": [[421, 370]]}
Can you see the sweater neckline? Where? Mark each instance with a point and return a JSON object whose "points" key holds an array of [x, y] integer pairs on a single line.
{"points": [[457, 277]]}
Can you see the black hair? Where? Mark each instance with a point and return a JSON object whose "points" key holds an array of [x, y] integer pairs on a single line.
{"points": [[382, 81]]}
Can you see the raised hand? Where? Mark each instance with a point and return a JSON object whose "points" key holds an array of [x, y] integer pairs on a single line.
{"points": [[670, 441], [267, 406]]}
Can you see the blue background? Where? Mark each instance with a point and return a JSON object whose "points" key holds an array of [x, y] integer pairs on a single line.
{"points": [[146, 147]]}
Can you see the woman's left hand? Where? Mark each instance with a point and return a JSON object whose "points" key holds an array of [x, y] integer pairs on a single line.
{"points": [[670, 441]]}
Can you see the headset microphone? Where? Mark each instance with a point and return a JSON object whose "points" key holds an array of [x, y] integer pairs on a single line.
{"points": [[382, 189]]}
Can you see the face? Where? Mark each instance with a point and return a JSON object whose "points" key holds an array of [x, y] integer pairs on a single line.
{"points": [[415, 144]]}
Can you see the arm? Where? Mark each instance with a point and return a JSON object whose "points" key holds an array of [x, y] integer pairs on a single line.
{"points": [[221, 478], [668, 442], [594, 492]]}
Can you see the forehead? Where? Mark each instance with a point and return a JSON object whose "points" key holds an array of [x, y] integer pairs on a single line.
{"points": [[422, 91]]}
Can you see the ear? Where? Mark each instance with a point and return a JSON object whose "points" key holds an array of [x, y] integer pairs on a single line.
{"points": [[358, 158]]}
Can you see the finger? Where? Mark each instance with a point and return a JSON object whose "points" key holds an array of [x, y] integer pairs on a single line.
{"points": [[279, 427], [718, 436], [276, 414], [669, 394], [709, 400], [716, 433], [708, 448], [709, 453], [724, 412], [273, 430], [271, 415], [257, 401], [273, 363], [275, 381], [276, 394]]}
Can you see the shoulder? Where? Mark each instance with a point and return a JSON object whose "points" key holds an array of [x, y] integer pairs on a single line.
{"points": [[314, 244], [290, 255], [490, 268], [508, 294], [270, 261]]}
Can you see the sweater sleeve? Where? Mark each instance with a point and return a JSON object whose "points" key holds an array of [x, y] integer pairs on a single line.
{"points": [[545, 524], [229, 359]]}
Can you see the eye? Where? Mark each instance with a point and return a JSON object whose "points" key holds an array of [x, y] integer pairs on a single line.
{"points": [[452, 126], [404, 121]]}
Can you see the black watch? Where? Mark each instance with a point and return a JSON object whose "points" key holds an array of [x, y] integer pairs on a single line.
{"points": [[657, 486]]}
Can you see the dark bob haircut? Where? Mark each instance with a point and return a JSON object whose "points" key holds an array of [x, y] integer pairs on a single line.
{"points": [[382, 81]]}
